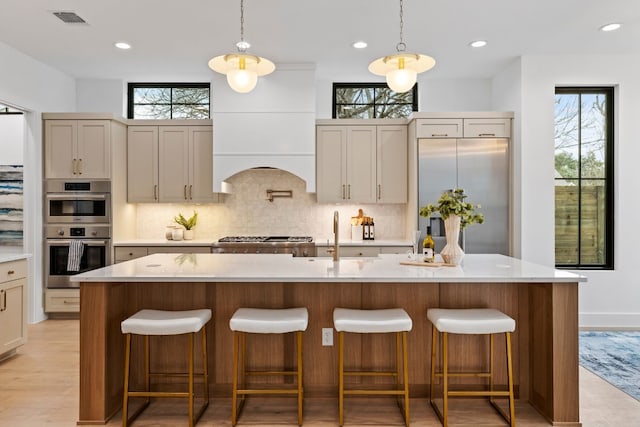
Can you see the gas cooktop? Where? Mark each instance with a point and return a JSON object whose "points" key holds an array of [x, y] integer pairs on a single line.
{"points": [[266, 239]]}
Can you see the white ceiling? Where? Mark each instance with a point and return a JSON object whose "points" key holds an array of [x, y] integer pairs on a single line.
{"points": [[173, 40]]}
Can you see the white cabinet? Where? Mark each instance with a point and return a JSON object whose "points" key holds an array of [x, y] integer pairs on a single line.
{"points": [[13, 306], [127, 253], [77, 149], [439, 128], [170, 164], [487, 128], [391, 164], [482, 127], [361, 164], [62, 301]]}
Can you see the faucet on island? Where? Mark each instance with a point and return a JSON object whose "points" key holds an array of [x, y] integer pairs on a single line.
{"points": [[335, 250]]}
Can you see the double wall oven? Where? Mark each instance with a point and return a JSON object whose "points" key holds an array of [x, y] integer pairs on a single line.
{"points": [[76, 211]]}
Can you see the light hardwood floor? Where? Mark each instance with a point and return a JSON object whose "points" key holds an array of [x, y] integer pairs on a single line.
{"points": [[39, 387]]}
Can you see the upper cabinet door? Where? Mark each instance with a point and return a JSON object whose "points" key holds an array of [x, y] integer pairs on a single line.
{"points": [[142, 164], [173, 165], [361, 164], [439, 128], [487, 128], [77, 149], [94, 149], [201, 165], [392, 164], [60, 141], [331, 163]]}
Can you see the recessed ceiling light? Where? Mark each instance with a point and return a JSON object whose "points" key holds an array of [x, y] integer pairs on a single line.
{"points": [[123, 45], [359, 44], [610, 27], [478, 43]]}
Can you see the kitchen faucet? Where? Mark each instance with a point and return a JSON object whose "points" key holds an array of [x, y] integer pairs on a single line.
{"points": [[334, 250]]}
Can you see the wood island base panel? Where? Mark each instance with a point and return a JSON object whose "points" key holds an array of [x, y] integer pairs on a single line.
{"points": [[543, 301]]}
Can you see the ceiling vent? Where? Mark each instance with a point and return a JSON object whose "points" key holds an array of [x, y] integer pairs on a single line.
{"points": [[69, 18]]}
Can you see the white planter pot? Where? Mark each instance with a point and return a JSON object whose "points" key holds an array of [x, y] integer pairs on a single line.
{"points": [[187, 234]]}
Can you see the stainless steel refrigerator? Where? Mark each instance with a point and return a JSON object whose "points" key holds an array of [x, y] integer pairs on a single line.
{"points": [[481, 167]]}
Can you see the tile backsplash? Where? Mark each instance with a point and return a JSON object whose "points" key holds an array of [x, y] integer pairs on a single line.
{"points": [[248, 212]]}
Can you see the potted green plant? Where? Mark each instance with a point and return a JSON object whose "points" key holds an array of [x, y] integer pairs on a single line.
{"points": [[457, 214], [188, 224]]}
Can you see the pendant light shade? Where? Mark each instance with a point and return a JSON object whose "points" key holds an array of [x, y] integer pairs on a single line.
{"points": [[402, 68], [242, 69]]}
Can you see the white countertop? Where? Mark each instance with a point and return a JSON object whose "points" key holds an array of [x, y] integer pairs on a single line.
{"points": [[7, 257], [285, 268], [209, 242]]}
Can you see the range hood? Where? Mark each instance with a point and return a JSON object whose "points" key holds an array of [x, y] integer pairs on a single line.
{"points": [[272, 126]]}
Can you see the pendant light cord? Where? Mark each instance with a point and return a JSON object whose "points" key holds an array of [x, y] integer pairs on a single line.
{"points": [[242, 45], [400, 47]]}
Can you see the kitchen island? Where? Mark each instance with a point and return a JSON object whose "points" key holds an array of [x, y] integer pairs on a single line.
{"points": [[543, 301]]}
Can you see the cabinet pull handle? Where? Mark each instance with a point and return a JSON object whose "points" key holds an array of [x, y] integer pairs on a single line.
{"points": [[487, 134], [10, 272], [379, 192], [439, 134], [343, 194], [155, 192], [190, 191], [349, 191], [185, 192], [79, 166], [70, 302], [73, 166]]}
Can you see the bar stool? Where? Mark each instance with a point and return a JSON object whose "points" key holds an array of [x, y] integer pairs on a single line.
{"points": [[476, 321], [157, 322], [367, 322], [265, 321]]}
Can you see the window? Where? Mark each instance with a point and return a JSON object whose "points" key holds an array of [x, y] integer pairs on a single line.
{"points": [[584, 178], [168, 101], [372, 101]]}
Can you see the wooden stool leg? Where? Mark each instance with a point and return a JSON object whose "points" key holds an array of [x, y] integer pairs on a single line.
{"points": [[125, 394], [191, 421], [234, 398], [491, 371], [434, 344], [300, 386], [445, 379], [512, 409], [205, 367], [147, 366], [341, 378], [405, 372]]}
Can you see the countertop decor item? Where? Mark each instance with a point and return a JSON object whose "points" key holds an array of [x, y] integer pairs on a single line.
{"points": [[188, 224], [457, 214]]}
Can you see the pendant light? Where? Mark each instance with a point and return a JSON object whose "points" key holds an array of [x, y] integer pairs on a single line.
{"points": [[242, 69], [401, 68]]}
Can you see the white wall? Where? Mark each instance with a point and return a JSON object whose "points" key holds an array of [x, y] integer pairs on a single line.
{"points": [[609, 298], [101, 96], [35, 88], [11, 139]]}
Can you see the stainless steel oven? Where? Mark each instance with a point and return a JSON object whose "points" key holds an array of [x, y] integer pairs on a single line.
{"points": [[96, 253], [78, 202]]}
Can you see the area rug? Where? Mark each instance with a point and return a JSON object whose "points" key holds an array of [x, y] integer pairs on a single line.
{"points": [[614, 357]]}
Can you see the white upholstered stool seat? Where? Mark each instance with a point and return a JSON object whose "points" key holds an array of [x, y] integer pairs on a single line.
{"points": [[265, 321], [371, 321], [148, 323], [391, 320], [269, 321], [162, 322], [471, 321]]}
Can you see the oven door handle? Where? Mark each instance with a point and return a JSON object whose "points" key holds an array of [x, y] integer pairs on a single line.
{"points": [[88, 242], [76, 196]]}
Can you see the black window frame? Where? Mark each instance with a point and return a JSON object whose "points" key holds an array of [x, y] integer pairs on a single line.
{"points": [[608, 263], [376, 85], [132, 86]]}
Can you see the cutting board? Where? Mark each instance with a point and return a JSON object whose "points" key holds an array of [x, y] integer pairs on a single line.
{"points": [[427, 264]]}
